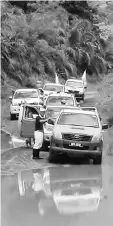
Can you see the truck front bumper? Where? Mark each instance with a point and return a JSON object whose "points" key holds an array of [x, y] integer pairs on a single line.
{"points": [[88, 149]]}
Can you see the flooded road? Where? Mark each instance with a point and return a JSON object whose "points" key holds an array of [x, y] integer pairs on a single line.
{"points": [[5, 141], [69, 193], [10, 142], [59, 195]]}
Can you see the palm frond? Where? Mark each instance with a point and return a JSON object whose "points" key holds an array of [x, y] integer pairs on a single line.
{"points": [[84, 25], [75, 36], [61, 32], [61, 40]]}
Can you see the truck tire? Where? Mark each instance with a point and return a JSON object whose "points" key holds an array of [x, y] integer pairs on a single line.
{"points": [[45, 147], [97, 160], [83, 97], [12, 116], [51, 157]]}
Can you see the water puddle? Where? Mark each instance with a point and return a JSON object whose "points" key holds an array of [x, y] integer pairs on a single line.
{"points": [[8, 141]]}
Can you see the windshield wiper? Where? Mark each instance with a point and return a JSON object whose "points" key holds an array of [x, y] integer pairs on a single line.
{"points": [[74, 125], [83, 126], [92, 126]]}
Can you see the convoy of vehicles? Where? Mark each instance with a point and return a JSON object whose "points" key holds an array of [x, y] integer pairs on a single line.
{"points": [[77, 87], [30, 96], [70, 130]]}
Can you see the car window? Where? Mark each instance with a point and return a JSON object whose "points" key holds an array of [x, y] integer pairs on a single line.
{"points": [[53, 88], [25, 94], [74, 84], [29, 112], [78, 119], [67, 101], [52, 113]]}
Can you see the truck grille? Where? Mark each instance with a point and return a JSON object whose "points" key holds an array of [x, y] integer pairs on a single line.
{"points": [[73, 92], [75, 148], [76, 137]]}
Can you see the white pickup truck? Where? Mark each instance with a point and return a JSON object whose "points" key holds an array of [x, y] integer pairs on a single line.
{"points": [[77, 87], [29, 96]]}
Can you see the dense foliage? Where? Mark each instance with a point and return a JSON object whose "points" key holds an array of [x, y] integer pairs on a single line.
{"points": [[47, 37]]}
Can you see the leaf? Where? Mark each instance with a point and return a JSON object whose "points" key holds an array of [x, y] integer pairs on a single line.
{"points": [[61, 40], [61, 32]]}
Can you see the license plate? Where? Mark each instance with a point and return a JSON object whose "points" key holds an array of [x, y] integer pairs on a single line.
{"points": [[75, 145]]}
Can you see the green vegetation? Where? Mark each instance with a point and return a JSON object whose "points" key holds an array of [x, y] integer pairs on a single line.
{"points": [[105, 107], [48, 39]]}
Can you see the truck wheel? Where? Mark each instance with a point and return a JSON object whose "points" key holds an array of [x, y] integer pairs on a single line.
{"points": [[45, 147], [51, 157], [97, 160], [12, 116], [83, 97]]}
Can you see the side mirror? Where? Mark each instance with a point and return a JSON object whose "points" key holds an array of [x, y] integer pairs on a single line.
{"points": [[44, 106], [41, 90], [41, 103], [104, 126], [10, 97], [50, 121]]}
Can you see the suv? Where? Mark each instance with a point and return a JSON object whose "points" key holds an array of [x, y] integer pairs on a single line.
{"points": [[77, 87], [78, 132], [61, 99], [20, 96]]}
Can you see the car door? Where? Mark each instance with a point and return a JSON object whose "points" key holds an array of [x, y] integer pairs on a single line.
{"points": [[20, 118], [28, 124]]}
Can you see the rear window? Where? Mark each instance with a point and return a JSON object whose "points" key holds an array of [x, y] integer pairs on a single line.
{"points": [[67, 101], [73, 84], [53, 88], [26, 94], [78, 119]]}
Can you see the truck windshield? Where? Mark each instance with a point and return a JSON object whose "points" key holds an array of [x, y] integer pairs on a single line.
{"points": [[78, 119], [52, 113], [53, 88], [26, 94], [74, 84]]}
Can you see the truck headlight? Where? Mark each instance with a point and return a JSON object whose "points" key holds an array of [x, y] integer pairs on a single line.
{"points": [[57, 135], [81, 92], [97, 138], [48, 127]]}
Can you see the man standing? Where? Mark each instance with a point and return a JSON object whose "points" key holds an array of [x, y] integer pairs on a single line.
{"points": [[38, 136]]}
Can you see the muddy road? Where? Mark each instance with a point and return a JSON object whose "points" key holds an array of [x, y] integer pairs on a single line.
{"points": [[70, 192]]}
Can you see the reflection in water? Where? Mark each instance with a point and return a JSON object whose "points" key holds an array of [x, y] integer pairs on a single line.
{"points": [[71, 190]]}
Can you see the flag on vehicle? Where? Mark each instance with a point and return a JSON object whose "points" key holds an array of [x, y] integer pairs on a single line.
{"points": [[84, 76], [84, 79], [56, 79]]}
